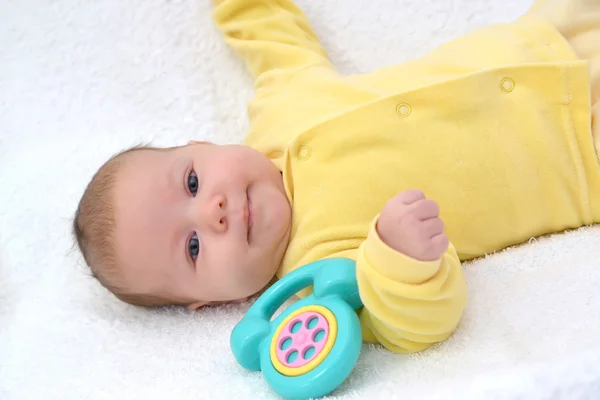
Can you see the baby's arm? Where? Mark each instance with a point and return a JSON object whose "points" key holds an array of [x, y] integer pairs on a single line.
{"points": [[273, 37], [409, 276]]}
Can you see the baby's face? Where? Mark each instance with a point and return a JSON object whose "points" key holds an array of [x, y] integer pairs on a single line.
{"points": [[204, 222]]}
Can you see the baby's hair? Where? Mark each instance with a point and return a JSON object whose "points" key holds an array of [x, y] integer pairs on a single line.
{"points": [[94, 226]]}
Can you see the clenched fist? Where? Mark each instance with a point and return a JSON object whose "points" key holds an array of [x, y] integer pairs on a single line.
{"points": [[411, 224]]}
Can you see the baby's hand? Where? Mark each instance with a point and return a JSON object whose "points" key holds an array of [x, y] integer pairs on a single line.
{"points": [[410, 223]]}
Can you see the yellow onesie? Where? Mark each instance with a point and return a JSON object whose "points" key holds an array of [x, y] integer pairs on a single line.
{"points": [[496, 126]]}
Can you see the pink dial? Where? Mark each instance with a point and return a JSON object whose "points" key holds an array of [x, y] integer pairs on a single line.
{"points": [[302, 339]]}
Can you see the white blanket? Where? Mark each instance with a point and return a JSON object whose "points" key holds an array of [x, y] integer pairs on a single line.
{"points": [[80, 80]]}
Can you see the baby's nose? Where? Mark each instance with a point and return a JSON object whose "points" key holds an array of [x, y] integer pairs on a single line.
{"points": [[215, 215]]}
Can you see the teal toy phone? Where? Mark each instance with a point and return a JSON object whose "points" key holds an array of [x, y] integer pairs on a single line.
{"points": [[313, 345]]}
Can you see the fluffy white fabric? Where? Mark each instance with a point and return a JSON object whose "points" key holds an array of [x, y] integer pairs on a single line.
{"points": [[80, 80]]}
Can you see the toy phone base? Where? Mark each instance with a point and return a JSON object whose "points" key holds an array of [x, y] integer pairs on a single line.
{"points": [[331, 371], [312, 347]]}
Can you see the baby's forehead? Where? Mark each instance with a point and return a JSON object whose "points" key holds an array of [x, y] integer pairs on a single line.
{"points": [[141, 171], [144, 219], [142, 161]]}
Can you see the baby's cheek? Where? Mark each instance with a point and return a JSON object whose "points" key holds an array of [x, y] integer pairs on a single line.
{"points": [[248, 276], [234, 273]]}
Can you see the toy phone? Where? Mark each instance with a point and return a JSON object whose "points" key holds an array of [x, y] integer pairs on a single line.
{"points": [[313, 345]]}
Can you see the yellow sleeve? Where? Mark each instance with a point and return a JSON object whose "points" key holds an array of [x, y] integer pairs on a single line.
{"points": [[408, 304], [273, 37]]}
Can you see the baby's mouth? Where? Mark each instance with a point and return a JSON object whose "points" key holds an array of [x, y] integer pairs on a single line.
{"points": [[249, 220]]}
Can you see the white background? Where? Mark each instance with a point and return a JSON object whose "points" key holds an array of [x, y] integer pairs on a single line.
{"points": [[80, 80]]}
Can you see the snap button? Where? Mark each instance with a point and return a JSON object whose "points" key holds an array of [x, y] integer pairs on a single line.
{"points": [[304, 153], [507, 85], [403, 110]]}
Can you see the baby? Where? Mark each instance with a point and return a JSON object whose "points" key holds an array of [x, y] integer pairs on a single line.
{"points": [[485, 142]]}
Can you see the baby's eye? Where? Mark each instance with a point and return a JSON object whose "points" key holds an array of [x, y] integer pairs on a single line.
{"points": [[192, 183], [194, 247]]}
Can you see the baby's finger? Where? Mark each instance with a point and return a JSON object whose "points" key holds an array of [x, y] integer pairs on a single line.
{"points": [[411, 196], [425, 209], [440, 243], [432, 227]]}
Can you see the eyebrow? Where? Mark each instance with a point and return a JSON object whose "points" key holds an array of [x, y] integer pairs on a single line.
{"points": [[175, 184], [174, 181]]}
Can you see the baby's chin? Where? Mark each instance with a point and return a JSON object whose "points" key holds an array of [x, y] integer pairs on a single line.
{"points": [[255, 287], [257, 293]]}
